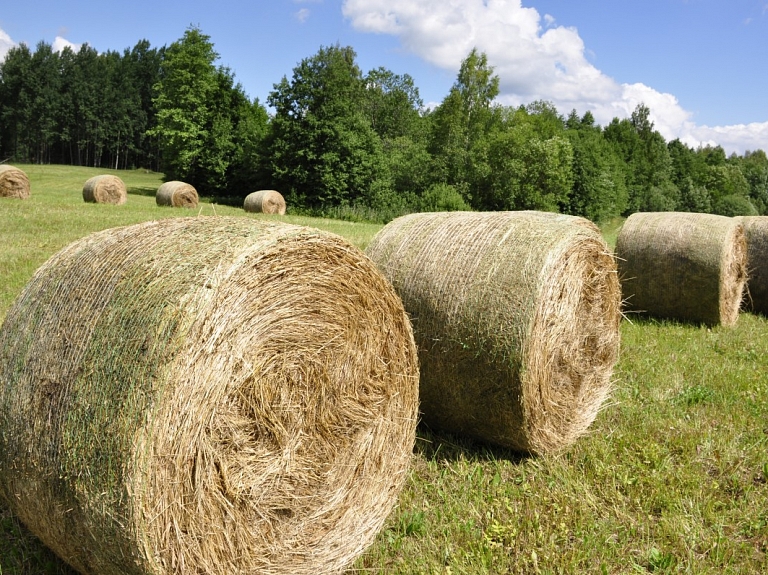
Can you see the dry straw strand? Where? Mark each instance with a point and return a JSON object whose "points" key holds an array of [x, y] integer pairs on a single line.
{"points": [[207, 395], [516, 318], [686, 266], [14, 183], [756, 233], [265, 202], [177, 195], [105, 189]]}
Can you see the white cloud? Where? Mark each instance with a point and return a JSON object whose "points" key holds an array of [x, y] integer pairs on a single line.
{"points": [[5, 44], [302, 15], [60, 43], [738, 138], [534, 61]]}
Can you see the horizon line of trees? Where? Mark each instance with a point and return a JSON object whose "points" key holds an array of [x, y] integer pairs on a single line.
{"points": [[341, 140]]}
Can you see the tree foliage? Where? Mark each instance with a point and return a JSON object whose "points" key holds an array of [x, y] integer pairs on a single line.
{"points": [[205, 125], [340, 139], [322, 149]]}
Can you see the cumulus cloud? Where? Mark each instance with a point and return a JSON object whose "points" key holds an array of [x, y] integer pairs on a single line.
{"points": [[60, 43], [535, 60], [302, 15], [5, 44]]}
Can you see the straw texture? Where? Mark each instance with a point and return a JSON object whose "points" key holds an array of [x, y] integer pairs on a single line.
{"points": [[686, 266], [14, 183], [177, 195], [206, 395], [756, 233], [265, 202], [105, 189], [516, 317]]}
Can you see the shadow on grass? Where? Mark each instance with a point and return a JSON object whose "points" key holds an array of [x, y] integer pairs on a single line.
{"points": [[442, 446], [142, 191], [21, 552]]}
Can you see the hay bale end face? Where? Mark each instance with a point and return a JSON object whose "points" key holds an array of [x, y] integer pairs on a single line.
{"points": [[177, 195], [217, 395], [685, 266], [756, 233], [105, 189], [516, 318], [265, 202], [14, 183]]}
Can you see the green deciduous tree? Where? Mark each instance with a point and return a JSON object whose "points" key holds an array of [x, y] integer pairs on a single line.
{"points": [[648, 162], [754, 166], [392, 104], [599, 190], [517, 169], [199, 108], [462, 121], [322, 150]]}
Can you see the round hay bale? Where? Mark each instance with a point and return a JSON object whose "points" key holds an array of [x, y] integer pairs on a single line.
{"points": [[105, 189], [756, 233], [14, 183], [685, 266], [265, 202], [516, 317], [177, 195], [207, 395]]}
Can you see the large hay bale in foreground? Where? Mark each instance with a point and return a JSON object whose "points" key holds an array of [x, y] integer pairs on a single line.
{"points": [[685, 266], [265, 202], [516, 317], [206, 395], [105, 189], [14, 183], [177, 195], [756, 233]]}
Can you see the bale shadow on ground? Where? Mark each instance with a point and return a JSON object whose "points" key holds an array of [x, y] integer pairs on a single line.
{"points": [[21, 552], [442, 446], [142, 191]]}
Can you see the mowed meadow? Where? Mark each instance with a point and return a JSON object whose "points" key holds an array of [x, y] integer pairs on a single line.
{"points": [[672, 476]]}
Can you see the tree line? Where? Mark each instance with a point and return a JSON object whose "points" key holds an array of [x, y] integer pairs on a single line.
{"points": [[342, 142]]}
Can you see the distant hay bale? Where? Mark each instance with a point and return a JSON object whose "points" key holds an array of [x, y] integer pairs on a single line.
{"points": [[105, 189], [177, 195], [756, 233], [207, 395], [265, 202], [685, 266], [14, 183], [516, 317]]}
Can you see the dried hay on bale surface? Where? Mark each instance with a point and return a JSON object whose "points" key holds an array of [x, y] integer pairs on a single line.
{"points": [[105, 189], [207, 395], [684, 266], [265, 202], [177, 195], [516, 317], [756, 233], [14, 183]]}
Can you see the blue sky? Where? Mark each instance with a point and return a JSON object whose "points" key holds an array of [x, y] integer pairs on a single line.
{"points": [[701, 66]]}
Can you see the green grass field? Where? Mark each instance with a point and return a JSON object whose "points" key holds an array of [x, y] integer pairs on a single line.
{"points": [[672, 477]]}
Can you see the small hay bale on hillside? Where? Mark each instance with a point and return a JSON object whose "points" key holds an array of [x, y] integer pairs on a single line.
{"points": [[685, 266], [14, 183], [177, 195], [207, 395], [105, 189], [516, 317], [756, 233], [265, 202]]}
